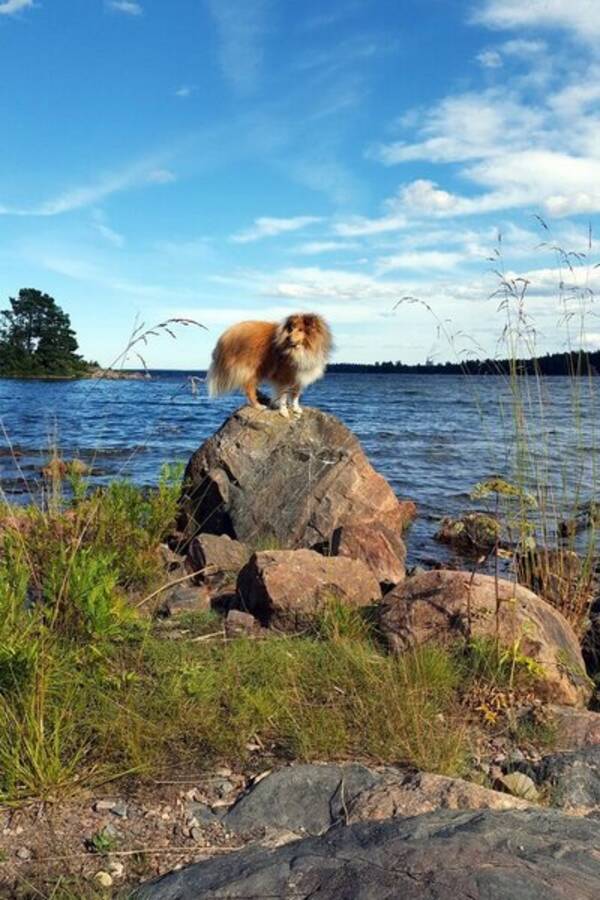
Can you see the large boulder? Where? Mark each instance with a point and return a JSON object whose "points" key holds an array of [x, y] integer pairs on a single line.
{"points": [[442, 606], [289, 589], [513, 855], [268, 481]]}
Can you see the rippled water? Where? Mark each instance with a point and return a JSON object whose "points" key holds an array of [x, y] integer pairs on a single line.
{"points": [[433, 437]]}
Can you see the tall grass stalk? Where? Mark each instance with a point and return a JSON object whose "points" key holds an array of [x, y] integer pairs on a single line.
{"points": [[539, 496]]}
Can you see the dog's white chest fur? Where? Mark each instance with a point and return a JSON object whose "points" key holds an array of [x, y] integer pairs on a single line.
{"points": [[309, 367]]}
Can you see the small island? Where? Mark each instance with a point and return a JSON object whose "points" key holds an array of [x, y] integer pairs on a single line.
{"points": [[37, 341]]}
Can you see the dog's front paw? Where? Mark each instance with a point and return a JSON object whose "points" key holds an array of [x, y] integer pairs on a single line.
{"points": [[297, 410], [283, 411]]}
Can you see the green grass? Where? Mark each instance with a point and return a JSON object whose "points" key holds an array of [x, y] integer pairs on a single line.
{"points": [[90, 689]]}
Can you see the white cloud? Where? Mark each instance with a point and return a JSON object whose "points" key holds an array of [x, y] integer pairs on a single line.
{"points": [[184, 91], [241, 28], [266, 226], [315, 247], [129, 7], [467, 126], [523, 48], [578, 16], [10, 7], [361, 226], [489, 59], [419, 260]]}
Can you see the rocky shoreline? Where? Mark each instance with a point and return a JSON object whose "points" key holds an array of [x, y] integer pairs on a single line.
{"points": [[282, 524]]}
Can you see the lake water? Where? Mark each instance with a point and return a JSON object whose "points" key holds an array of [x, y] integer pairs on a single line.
{"points": [[432, 437]]}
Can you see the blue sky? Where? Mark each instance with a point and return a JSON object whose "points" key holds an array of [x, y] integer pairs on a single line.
{"points": [[228, 159]]}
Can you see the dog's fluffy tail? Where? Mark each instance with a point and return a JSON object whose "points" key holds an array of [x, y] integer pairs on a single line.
{"points": [[224, 379]]}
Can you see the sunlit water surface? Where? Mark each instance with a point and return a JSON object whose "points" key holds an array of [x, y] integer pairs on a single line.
{"points": [[432, 437]]}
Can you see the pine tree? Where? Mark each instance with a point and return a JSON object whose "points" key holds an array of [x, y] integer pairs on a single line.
{"points": [[36, 338]]}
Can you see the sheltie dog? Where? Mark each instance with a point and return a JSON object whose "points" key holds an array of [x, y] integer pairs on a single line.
{"points": [[289, 355]]}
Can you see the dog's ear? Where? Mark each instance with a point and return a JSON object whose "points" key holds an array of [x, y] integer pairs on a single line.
{"points": [[310, 320]]}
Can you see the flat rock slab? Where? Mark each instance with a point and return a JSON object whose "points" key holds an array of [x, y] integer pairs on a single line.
{"points": [[266, 480], [514, 855], [421, 792], [303, 798]]}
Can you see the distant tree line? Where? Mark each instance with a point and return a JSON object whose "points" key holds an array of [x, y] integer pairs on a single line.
{"points": [[573, 363], [36, 339]]}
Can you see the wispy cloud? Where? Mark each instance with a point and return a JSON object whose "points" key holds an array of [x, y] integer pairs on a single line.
{"points": [[311, 248], [136, 176], [241, 28], [578, 16], [184, 91], [10, 7], [420, 260], [266, 226], [103, 228], [161, 176], [129, 7]]}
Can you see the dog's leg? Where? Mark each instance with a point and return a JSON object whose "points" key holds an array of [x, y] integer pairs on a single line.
{"points": [[281, 402], [250, 391], [296, 408]]}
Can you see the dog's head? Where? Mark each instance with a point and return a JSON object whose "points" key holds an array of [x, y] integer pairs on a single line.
{"points": [[304, 333]]}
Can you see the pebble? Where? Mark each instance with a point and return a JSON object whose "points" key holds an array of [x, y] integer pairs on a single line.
{"points": [[104, 879], [104, 805], [24, 853], [120, 809], [117, 807], [224, 787], [117, 869]]}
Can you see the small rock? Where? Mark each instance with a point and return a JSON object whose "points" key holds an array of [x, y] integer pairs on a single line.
{"points": [[242, 624], [104, 879], [196, 834], [217, 559], [183, 598], [117, 869], [104, 805], [120, 809], [520, 785], [24, 853], [474, 533], [224, 787]]}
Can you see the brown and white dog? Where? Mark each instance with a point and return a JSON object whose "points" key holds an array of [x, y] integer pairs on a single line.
{"points": [[289, 355]]}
